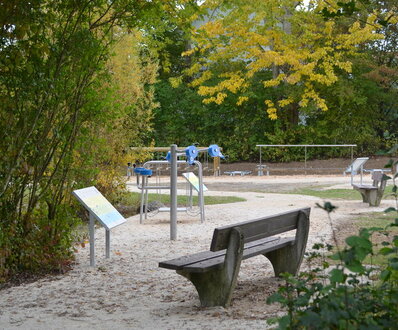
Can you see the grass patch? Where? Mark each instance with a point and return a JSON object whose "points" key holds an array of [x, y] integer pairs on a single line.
{"points": [[380, 220], [346, 194], [134, 198]]}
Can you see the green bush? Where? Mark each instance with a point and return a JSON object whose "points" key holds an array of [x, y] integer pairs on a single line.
{"points": [[350, 295]]}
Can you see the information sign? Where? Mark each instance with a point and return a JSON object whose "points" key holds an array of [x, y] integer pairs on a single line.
{"points": [[193, 180], [100, 207]]}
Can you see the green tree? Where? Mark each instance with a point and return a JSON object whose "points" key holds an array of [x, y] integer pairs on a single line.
{"points": [[301, 50], [58, 106]]}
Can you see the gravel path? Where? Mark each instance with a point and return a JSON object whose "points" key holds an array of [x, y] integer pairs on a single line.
{"points": [[129, 291]]}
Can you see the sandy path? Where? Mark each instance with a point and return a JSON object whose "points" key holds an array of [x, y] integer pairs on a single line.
{"points": [[129, 291]]}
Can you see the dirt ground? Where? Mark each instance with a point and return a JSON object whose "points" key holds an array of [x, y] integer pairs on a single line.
{"points": [[130, 291], [311, 167]]}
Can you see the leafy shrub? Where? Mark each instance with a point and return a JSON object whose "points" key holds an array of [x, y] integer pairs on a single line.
{"points": [[349, 295]]}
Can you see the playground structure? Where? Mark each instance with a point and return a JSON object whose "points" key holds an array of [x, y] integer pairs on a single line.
{"points": [[159, 152], [143, 173], [261, 167], [190, 154]]}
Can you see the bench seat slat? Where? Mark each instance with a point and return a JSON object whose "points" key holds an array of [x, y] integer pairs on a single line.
{"points": [[203, 261], [203, 266], [182, 262], [264, 248], [363, 186]]}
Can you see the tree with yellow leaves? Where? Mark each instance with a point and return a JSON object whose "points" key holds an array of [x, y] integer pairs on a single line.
{"points": [[292, 42]]}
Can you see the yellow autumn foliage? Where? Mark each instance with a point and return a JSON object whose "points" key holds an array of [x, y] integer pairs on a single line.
{"points": [[293, 43], [131, 76]]}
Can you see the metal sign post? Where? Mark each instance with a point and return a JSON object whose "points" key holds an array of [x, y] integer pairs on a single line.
{"points": [[100, 209]]}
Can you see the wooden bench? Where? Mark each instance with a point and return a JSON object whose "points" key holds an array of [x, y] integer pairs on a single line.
{"points": [[373, 193], [214, 273]]}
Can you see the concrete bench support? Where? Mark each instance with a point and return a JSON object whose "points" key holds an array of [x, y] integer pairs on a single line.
{"points": [[372, 194]]}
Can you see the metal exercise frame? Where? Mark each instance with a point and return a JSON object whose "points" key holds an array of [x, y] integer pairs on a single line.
{"points": [[190, 153], [305, 149], [145, 187]]}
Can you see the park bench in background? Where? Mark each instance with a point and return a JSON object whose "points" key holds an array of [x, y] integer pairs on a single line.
{"points": [[214, 273], [241, 173], [373, 193]]}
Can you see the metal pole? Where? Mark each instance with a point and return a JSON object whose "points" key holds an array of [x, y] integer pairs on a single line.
{"points": [[142, 198], [261, 166], [173, 192], [190, 196], [107, 243], [201, 197], [146, 197], [305, 159], [92, 236]]}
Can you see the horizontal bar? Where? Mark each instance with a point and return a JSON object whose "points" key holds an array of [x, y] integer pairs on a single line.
{"points": [[305, 168], [153, 187], [159, 149], [306, 145], [167, 209]]}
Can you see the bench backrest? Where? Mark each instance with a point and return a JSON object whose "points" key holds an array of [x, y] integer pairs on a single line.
{"points": [[377, 176], [259, 228], [356, 165]]}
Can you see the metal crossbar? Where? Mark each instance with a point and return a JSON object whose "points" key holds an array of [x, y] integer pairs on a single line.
{"points": [[305, 149]]}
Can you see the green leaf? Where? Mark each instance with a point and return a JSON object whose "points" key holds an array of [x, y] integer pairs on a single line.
{"points": [[335, 256], [390, 209], [394, 265], [385, 275], [284, 322], [337, 276], [355, 266], [389, 164], [356, 241], [384, 251]]}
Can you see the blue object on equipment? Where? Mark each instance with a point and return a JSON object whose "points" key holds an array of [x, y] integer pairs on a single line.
{"points": [[191, 152], [168, 156], [214, 151], [143, 171]]}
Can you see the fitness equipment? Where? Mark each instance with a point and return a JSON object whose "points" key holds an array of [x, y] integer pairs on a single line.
{"points": [[190, 153], [142, 184]]}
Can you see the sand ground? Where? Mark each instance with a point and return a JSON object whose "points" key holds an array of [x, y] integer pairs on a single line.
{"points": [[130, 291]]}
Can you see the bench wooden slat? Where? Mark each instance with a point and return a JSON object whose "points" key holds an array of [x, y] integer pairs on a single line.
{"points": [[179, 263], [363, 186], [205, 265], [182, 262], [257, 229], [264, 248]]}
